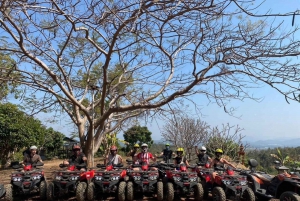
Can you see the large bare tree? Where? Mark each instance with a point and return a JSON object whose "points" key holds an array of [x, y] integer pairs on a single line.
{"points": [[139, 55]]}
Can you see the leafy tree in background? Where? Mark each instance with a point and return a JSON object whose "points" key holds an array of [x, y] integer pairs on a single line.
{"points": [[53, 141], [162, 53], [137, 134], [19, 130], [7, 76]]}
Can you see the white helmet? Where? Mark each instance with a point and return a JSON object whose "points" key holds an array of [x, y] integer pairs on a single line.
{"points": [[203, 148], [144, 145], [33, 147]]}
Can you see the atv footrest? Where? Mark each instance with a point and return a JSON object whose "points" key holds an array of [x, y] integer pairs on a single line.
{"points": [[262, 192]]}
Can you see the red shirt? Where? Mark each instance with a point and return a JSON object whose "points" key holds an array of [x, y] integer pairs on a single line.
{"points": [[144, 157]]}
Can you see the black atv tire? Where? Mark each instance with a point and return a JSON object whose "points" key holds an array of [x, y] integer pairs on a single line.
{"points": [[218, 194], [248, 195], [90, 192], [129, 191], [8, 192], [121, 191], [80, 191], [169, 195], [289, 196], [43, 190], [198, 192], [50, 191], [160, 190]]}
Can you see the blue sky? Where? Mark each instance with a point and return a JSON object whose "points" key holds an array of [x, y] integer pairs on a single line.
{"points": [[271, 118]]}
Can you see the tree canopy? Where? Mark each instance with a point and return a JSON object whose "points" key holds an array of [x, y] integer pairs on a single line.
{"points": [[160, 51], [137, 135], [19, 130]]}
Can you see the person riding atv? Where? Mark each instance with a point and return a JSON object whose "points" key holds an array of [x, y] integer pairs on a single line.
{"points": [[33, 157], [77, 158], [180, 158], [133, 153], [167, 154], [218, 161], [113, 158], [202, 156]]}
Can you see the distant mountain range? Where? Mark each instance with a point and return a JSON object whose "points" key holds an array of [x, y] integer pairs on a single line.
{"points": [[264, 144]]}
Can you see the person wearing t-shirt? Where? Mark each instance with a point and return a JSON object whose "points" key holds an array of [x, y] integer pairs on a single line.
{"points": [[113, 158], [145, 156]]}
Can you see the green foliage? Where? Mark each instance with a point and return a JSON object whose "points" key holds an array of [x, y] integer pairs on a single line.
{"points": [[110, 140], [137, 134], [18, 130], [7, 74], [229, 147], [53, 140], [265, 157], [283, 159]]}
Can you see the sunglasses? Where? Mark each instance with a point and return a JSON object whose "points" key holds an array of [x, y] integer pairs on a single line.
{"points": [[76, 149]]}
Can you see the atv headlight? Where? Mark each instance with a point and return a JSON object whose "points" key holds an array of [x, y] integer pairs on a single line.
{"points": [[115, 178], [74, 178], [136, 177], [243, 183], [16, 178], [193, 179], [58, 178], [154, 177], [177, 178], [36, 177], [97, 178], [226, 182]]}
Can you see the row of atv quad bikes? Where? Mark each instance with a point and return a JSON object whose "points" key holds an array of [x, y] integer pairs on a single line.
{"points": [[162, 181]]}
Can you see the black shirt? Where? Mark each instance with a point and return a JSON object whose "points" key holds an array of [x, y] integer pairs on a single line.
{"points": [[203, 158], [77, 159], [167, 154]]}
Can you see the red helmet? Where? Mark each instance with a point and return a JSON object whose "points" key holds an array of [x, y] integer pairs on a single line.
{"points": [[113, 148], [75, 147]]}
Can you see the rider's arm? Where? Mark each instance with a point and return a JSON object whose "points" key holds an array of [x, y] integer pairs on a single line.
{"points": [[129, 153], [196, 150], [226, 162], [212, 163], [187, 162], [209, 159], [120, 160], [152, 157]]}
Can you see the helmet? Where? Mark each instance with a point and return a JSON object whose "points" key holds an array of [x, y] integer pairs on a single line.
{"points": [[136, 146], [144, 145], [113, 148], [180, 149], [203, 148], [219, 151], [167, 144], [33, 147], [75, 146]]}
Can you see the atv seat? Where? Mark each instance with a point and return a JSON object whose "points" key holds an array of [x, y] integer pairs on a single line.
{"points": [[264, 177]]}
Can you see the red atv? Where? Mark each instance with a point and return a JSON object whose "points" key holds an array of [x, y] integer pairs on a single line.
{"points": [[28, 179], [69, 180], [227, 184], [204, 173], [182, 182], [105, 180], [144, 181]]}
